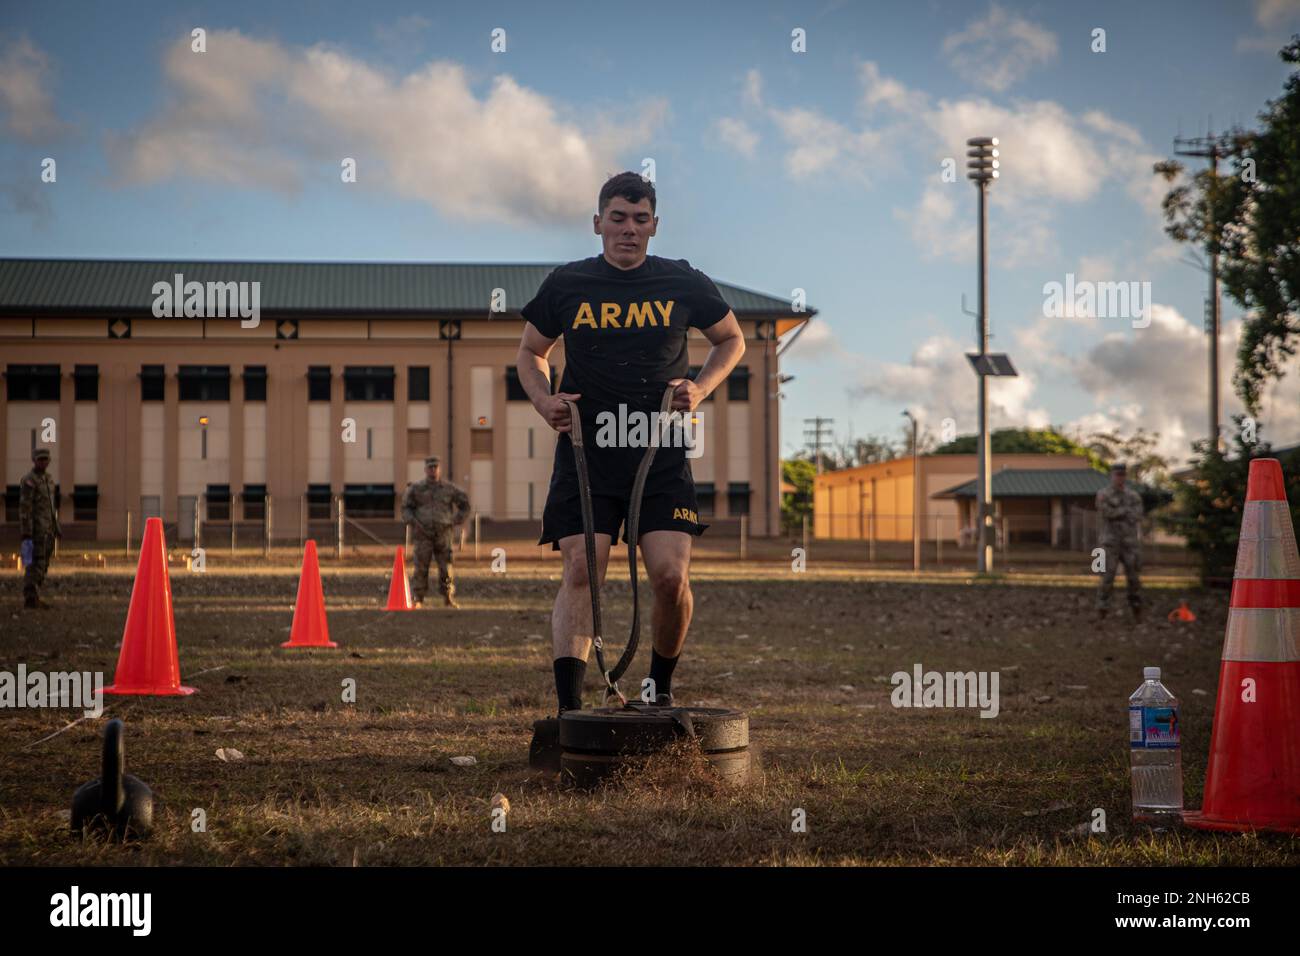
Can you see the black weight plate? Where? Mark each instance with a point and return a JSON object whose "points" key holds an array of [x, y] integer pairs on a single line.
{"points": [[590, 770], [645, 729]]}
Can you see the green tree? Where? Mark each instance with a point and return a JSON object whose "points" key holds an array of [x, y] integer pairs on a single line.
{"points": [[1249, 215], [1208, 506], [1138, 451], [1015, 441], [799, 472]]}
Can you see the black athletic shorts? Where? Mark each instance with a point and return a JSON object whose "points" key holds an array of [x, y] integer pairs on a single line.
{"points": [[668, 503]]}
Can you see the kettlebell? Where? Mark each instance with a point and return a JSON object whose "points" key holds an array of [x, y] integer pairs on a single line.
{"points": [[117, 804]]}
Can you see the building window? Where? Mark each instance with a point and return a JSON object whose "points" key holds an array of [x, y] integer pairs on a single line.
{"points": [[152, 378], [85, 383], [368, 383], [704, 496], [318, 501], [368, 501], [738, 384], [514, 388], [32, 383], [318, 383], [85, 502], [417, 383], [254, 383], [204, 383], [254, 502], [217, 498], [13, 495], [738, 498]]}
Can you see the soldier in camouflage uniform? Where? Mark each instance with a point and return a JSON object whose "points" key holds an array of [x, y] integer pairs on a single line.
{"points": [[432, 507], [1120, 510], [38, 522]]}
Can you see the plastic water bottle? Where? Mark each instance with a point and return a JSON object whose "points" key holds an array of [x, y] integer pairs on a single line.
{"points": [[1155, 756]]}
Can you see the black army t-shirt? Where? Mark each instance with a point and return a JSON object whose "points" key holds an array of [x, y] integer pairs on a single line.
{"points": [[624, 330]]}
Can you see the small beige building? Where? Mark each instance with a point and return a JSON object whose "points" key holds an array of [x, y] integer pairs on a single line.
{"points": [[353, 373], [876, 500]]}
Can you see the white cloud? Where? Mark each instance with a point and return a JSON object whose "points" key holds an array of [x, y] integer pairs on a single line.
{"points": [[737, 134], [819, 143], [1157, 379], [999, 50], [26, 104], [1050, 156], [1272, 13], [938, 382], [816, 342], [1152, 378], [881, 90], [1273, 16], [936, 227], [261, 114]]}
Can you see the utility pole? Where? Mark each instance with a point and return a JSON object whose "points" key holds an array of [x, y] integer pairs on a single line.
{"points": [[820, 426], [982, 169], [916, 495], [1210, 147]]}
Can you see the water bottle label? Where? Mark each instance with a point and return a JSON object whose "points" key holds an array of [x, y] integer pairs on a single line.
{"points": [[1153, 727]]}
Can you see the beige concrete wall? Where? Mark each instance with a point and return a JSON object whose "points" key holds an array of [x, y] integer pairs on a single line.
{"points": [[369, 460], [24, 418], [254, 472], [526, 430], [86, 458]]}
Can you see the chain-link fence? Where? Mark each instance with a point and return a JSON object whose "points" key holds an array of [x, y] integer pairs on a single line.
{"points": [[242, 530]]}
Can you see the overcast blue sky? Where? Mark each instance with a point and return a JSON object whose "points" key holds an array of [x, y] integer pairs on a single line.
{"points": [[777, 170]]}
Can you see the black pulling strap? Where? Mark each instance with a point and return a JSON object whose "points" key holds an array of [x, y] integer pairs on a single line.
{"points": [[633, 518]]}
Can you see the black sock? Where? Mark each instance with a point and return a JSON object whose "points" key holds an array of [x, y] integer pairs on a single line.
{"points": [[661, 672], [569, 674]]}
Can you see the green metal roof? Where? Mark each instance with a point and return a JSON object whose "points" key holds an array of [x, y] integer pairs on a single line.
{"points": [[125, 286], [1035, 483]]}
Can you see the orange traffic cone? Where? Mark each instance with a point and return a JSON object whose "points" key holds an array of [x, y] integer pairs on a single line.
{"points": [[309, 627], [148, 663], [1252, 781], [1182, 612], [399, 588]]}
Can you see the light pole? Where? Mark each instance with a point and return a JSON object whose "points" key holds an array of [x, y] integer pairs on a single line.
{"points": [[982, 169], [916, 496]]}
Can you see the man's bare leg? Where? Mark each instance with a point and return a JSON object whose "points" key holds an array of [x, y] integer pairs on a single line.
{"points": [[571, 627], [667, 556]]}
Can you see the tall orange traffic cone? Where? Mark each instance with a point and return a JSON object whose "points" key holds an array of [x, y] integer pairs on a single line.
{"points": [[148, 663], [399, 588], [1252, 781], [309, 627]]}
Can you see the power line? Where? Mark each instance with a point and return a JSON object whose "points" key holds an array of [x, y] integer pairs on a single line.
{"points": [[820, 426]]}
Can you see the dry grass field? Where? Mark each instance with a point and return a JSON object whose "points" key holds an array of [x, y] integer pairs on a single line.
{"points": [[808, 656]]}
